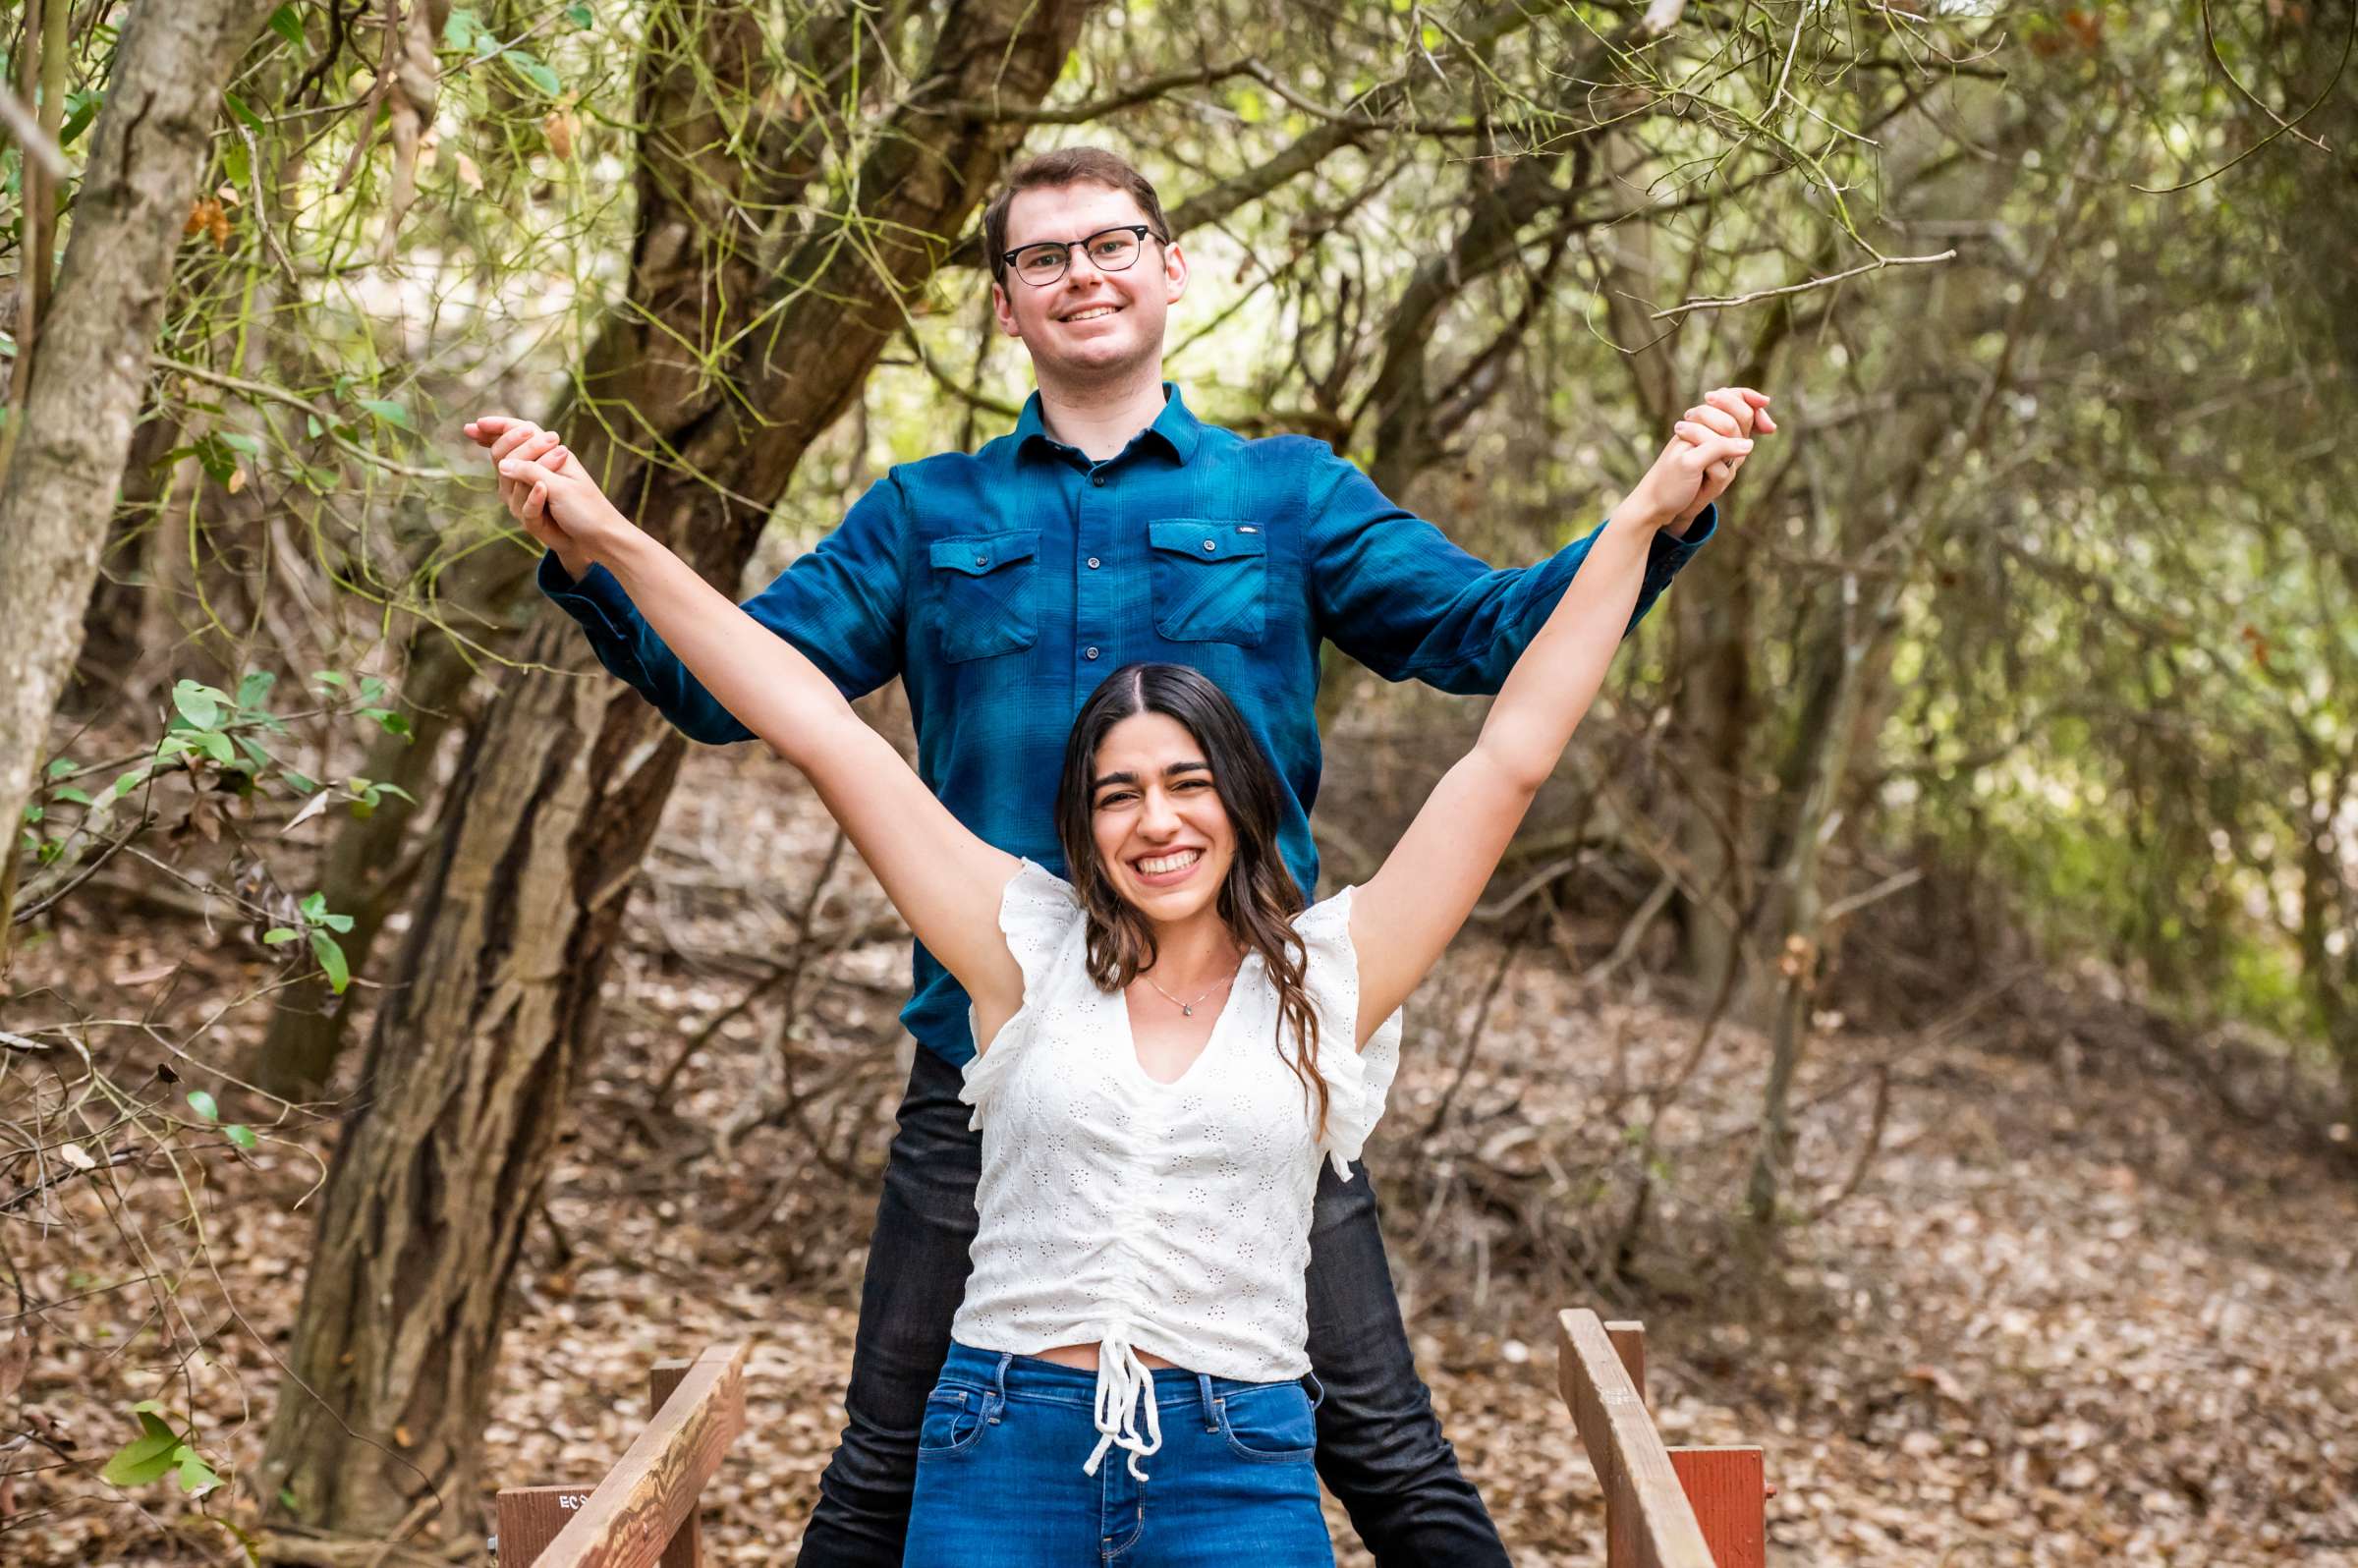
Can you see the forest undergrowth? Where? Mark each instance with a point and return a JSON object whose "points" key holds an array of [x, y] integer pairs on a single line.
{"points": [[2059, 1294]]}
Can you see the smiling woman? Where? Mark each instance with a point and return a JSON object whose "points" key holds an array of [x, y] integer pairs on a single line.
{"points": [[1167, 814]]}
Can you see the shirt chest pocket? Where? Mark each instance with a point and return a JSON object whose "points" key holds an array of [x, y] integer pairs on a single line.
{"points": [[986, 594], [1210, 580]]}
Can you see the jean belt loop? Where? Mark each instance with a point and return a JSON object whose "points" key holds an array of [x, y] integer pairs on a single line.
{"points": [[998, 1380], [1211, 1421], [1318, 1390]]}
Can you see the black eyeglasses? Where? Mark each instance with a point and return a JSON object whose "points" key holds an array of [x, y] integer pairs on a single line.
{"points": [[1109, 251]]}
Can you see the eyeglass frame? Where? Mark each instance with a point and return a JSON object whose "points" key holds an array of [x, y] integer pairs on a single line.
{"points": [[1144, 232]]}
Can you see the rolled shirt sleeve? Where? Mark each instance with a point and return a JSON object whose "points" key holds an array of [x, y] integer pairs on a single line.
{"points": [[840, 604], [1392, 591]]}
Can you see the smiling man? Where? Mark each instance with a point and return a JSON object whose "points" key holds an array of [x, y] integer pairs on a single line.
{"points": [[1111, 526]]}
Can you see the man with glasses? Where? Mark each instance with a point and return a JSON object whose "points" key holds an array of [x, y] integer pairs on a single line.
{"points": [[1000, 586]]}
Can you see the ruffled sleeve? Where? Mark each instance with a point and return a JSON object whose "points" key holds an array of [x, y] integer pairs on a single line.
{"points": [[1041, 917], [1356, 1080]]}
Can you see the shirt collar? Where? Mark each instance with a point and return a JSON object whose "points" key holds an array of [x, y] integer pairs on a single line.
{"points": [[1178, 427]]}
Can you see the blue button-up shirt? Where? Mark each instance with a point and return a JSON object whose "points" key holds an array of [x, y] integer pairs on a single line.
{"points": [[1003, 587]]}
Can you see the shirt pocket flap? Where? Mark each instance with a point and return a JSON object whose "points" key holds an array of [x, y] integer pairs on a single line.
{"points": [[976, 553], [1207, 539]]}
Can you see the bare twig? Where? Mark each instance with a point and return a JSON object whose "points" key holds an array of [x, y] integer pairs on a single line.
{"points": [[1732, 301]]}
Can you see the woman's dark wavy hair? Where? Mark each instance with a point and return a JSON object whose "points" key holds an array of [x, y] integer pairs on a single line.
{"points": [[1259, 897]]}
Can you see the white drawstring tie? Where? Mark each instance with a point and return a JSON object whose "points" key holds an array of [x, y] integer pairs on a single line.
{"points": [[1122, 1382]]}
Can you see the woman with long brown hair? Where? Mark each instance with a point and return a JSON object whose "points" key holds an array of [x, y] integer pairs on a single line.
{"points": [[1168, 1044]]}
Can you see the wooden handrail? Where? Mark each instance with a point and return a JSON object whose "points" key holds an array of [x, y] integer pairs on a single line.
{"points": [[651, 1495], [1649, 1522]]}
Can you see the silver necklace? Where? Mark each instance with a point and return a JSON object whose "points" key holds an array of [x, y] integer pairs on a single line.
{"points": [[1188, 1009]]}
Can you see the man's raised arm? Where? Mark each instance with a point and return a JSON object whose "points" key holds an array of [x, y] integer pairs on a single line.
{"points": [[1392, 592], [840, 604], [1395, 594]]}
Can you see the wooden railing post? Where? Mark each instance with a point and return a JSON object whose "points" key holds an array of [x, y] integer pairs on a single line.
{"points": [[1647, 1521], [530, 1517], [1713, 1511], [686, 1546], [1729, 1492], [644, 1512]]}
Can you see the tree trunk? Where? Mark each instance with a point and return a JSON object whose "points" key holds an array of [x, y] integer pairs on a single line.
{"points": [[473, 1058], [90, 366], [674, 283]]}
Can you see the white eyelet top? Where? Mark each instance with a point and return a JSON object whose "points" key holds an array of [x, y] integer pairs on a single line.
{"points": [[1136, 1215]]}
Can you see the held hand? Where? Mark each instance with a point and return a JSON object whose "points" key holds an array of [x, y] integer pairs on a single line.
{"points": [[1692, 471], [561, 506], [1729, 411], [502, 436], [513, 441]]}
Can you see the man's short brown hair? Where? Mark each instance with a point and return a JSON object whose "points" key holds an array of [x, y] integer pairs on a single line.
{"points": [[1066, 166]]}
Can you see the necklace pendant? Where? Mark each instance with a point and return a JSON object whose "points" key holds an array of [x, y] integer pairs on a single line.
{"points": [[1186, 1011]]}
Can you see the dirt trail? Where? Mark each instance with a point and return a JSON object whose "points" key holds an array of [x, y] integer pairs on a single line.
{"points": [[2076, 1313]]}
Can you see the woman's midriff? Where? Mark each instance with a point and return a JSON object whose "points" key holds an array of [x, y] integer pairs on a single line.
{"points": [[1084, 1357]]}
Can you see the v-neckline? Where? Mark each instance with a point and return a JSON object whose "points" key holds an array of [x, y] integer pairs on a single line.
{"points": [[1219, 1023]]}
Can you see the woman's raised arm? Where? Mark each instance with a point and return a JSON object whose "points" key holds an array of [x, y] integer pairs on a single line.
{"points": [[945, 881], [1408, 911]]}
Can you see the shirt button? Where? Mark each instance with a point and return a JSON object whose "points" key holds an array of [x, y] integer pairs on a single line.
{"points": [[1208, 546], [1096, 479], [1091, 653], [1093, 563], [984, 560]]}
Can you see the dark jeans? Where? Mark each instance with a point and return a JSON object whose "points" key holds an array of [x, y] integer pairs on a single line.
{"points": [[1380, 1448]]}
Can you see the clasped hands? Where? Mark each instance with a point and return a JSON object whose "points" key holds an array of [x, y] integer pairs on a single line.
{"points": [[557, 503]]}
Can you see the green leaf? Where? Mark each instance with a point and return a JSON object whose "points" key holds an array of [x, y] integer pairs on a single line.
{"points": [[581, 16], [336, 922], [331, 959], [240, 443], [462, 29], [34, 813], [313, 906], [67, 792], [278, 935], [200, 704], [533, 72], [235, 165], [330, 678], [300, 783], [216, 745], [395, 789], [202, 1104], [81, 109], [238, 112], [286, 23], [390, 412], [128, 782], [241, 1134], [145, 1458], [60, 767], [195, 1476], [255, 688]]}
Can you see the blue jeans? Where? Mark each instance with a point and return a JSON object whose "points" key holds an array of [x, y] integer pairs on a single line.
{"points": [[1379, 1450], [1001, 1484]]}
